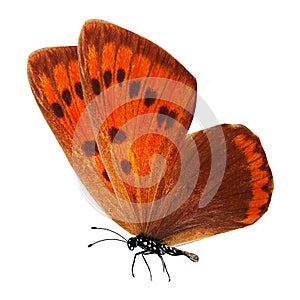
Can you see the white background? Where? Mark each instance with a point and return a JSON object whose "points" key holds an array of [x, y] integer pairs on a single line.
{"points": [[246, 58]]}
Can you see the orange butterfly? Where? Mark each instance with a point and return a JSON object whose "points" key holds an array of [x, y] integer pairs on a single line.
{"points": [[120, 107]]}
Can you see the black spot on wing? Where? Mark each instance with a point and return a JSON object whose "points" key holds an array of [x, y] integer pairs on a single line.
{"points": [[107, 78], [57, 109], [116, 135], [164, 115], [150, 97], [66, 96], [134, 89], [95, 86], [78, 90], [126, 166], [90, 148], [120, 75]]}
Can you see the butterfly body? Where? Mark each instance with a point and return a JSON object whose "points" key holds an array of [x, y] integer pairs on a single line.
{"points": [[155, 247], [152, 246]]}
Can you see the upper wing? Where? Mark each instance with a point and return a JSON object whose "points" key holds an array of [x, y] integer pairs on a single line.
{"points": [[140, 102]]}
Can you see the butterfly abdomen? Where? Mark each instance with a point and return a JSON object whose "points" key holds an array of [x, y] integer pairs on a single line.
{"points": [[175, 252]]}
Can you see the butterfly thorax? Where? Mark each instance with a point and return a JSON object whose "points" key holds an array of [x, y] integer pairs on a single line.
{"points": [[152, 246]]}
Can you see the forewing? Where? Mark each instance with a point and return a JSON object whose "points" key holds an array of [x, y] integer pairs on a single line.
{"points": [[141, 102]]}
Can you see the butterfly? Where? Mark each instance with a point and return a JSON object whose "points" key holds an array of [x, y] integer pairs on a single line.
{"points": [[121, 107]]}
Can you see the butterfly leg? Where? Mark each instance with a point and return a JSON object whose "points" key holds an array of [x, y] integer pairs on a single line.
{"points": [[143, 255], [164, 266], [145, 252]]}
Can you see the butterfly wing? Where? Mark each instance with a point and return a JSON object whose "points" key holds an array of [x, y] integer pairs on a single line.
{"points": [[55, 81], [128, 140], [233, 190], [140, 102]]}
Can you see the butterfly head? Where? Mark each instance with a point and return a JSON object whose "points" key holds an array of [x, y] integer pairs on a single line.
{"points": [[132, 243]]}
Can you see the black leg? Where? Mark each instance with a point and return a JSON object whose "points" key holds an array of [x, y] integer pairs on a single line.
{"points": [[132, 266], [147, 264], [145, 252], [162, 261], [164, 266]]}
